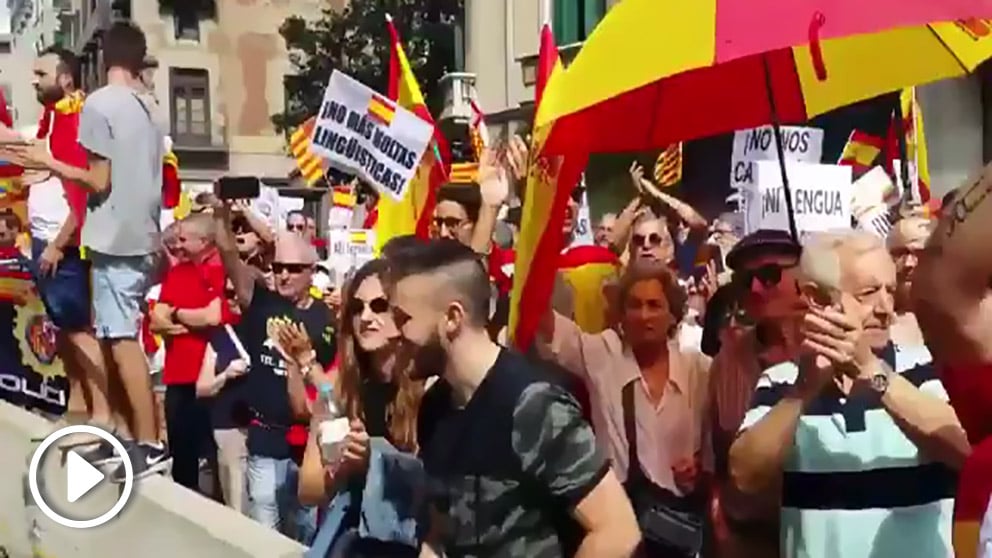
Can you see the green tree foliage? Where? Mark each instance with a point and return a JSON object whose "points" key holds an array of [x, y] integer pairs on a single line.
{"points": [[356, 41]]}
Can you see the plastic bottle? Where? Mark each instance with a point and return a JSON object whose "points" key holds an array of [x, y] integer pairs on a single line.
{"points": [[333, 425]]}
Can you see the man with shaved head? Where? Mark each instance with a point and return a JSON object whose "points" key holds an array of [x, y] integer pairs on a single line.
{"points": [[273, 390], [495, 431]]}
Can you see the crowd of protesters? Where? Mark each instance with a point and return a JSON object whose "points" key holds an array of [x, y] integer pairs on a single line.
{"points": [[741, 397]]}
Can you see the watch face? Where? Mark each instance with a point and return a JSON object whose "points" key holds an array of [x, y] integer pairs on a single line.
{"points": [[879, 382]]}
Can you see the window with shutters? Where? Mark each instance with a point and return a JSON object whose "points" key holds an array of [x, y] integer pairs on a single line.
{"points": [[187, 22], [574, 20], [190, 106]]}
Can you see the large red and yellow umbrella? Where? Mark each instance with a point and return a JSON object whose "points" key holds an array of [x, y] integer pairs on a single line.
{"points": [[656, 72]]}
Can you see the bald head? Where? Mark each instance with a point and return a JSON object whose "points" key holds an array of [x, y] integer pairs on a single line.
{"points": [[292, 248]]}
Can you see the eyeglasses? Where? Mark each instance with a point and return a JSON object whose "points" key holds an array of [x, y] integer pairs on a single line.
{"points": [[292, 268], [296, 227], [356, 306], [652, 240], [449, 222], [769, 275]]}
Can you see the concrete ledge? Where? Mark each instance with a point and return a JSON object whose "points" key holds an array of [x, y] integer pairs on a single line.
{"points": [[161, 519]]}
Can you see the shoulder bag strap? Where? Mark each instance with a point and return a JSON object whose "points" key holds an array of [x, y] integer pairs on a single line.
{"points": [[630, 430]]}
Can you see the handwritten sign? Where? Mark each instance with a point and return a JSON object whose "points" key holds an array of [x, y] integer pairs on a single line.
{"points": [[800, 144], [357, 130], [821, 197], [583, 225]]}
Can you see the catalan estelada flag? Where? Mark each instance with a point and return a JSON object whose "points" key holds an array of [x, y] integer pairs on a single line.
{"points": [[916, 144], [310, 165], [861, 151], [412, 214], [381, 110], [550, 182]]}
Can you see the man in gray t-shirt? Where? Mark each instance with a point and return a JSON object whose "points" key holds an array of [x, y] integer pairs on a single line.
{"points": [[124, 221], [121, 231]]}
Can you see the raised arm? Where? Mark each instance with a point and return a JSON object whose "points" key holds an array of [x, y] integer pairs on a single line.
{"points": [[240, 274], [951, 286]]}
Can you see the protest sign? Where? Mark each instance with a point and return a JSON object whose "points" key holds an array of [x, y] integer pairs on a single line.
{"points": [[800, 144], [583, 226], [347, 250], [358, 130], [821, 197]]}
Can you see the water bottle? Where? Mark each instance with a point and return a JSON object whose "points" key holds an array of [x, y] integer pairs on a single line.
{"points": [[333, 426]]}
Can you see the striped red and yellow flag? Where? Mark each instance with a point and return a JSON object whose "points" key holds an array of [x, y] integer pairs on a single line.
{"points": [[464, 173], [412, 214], [343, 196], [861, 150], [310, 165], [668, 166], [381, 110]]}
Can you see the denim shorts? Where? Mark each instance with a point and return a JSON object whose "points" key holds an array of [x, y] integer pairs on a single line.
{"points": [[65, 293], [120, 285]]}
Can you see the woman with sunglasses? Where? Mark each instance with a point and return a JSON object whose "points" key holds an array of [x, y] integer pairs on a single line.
{"points": [[372, 389]]}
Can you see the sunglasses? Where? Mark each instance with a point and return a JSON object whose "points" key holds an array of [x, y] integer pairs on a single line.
{"points": [[449, 222], [739, 317], [379, 306], [769, 275], [652, 240], [292, 268], [297, 227]]}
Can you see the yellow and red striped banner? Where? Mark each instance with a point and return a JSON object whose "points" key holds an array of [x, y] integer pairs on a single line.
{"points": [[464, 173], [668, 167], [311, 167]]}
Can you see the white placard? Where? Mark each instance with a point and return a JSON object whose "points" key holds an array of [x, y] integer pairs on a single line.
{"points": [[800, 144], [583, 226], [360, 131], [347, 250], [821, 197]]}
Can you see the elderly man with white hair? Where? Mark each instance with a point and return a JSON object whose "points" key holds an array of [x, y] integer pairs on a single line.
{"points": [[859, 434]]}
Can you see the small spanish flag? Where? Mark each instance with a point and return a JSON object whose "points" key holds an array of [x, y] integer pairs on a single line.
{"points": [[310, 165], [381, 110], [668, 167], [464, 173], [343, 196], [358, 236], [861, 150]]}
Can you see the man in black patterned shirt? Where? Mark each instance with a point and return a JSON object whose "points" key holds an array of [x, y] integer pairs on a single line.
{"points": [[515, 469]]}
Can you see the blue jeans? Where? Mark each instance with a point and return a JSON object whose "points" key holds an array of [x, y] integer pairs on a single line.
{"points": [[66, 292], [272, 485]]}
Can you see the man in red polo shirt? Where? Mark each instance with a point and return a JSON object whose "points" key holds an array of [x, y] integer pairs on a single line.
{"points": [[191, 303], [952, 291]]}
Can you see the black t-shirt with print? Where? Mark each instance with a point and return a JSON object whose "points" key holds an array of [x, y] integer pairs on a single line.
{"points": [[265, 390], [507, 469]]}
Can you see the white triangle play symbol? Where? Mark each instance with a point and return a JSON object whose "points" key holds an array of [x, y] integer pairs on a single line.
{"points": [[80, 476]]}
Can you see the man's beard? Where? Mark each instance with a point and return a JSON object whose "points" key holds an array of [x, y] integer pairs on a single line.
{"points": [[50, 95], [430, 359]]}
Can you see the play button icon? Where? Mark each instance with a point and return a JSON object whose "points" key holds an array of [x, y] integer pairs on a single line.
{"points": [[81, 477], [66, 491]]}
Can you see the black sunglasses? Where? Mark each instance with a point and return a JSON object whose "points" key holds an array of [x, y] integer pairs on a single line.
{"points": [[769, 275], [298, 227], [449, 222], [652, 240], [377, 305], [292, 268]]}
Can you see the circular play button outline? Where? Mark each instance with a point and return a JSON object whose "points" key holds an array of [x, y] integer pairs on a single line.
{"points": [[36, 462]]}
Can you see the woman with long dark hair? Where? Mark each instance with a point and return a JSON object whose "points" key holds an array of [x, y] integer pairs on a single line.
{"points": [[372, 389]]}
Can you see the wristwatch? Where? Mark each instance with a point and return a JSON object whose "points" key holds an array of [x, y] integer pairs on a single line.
{"points": [[307, 365], [879, 382]]}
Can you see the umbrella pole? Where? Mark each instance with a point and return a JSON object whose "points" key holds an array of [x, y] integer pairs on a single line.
{"points": [[780, 150]]}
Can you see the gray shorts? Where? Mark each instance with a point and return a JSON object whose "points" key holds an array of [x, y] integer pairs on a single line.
{"points": [[120, 284]]}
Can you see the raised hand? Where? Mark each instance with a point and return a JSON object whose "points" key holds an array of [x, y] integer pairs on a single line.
{"points": [[637, 176], [517, 154], [294, 343], [493, 183]]}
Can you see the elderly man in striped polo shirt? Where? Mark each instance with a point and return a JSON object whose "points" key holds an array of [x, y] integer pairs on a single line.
{"points": [[859, 432]]}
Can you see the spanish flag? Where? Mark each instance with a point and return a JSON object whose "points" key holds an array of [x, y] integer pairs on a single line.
{"points": [[550, 181], [343, 196], [412, 214], [310, 165], [381, 110], [916, 144], [861, 151], [172, 187]]}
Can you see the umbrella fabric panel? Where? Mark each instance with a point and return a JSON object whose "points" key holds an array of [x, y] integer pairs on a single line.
{"points": [[690, 105], [749, 27]]}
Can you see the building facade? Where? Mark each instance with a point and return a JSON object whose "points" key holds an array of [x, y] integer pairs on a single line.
{"points": [[34, 26], [220, 76]]}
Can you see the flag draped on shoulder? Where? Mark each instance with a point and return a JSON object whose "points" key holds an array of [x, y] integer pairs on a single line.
{"points": [[413, 213], [550, 181]]}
